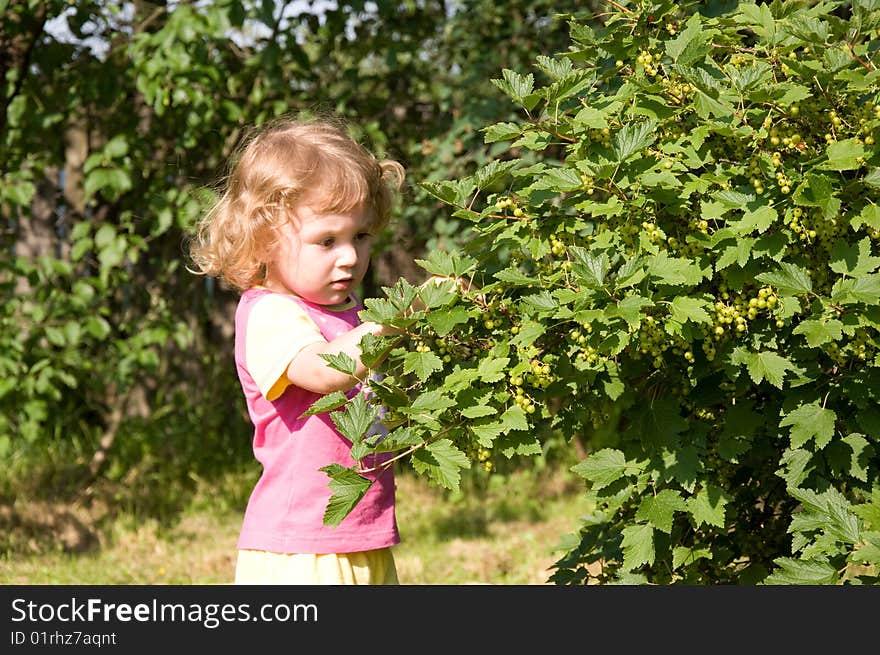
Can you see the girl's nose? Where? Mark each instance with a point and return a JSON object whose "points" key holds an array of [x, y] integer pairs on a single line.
{"points": [[347, 255]]}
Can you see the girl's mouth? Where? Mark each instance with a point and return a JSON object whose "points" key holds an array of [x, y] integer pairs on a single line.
{"points": [[341, 284]]}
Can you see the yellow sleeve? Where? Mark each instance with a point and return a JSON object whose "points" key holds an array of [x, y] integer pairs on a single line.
{"points": [[277, 330]]}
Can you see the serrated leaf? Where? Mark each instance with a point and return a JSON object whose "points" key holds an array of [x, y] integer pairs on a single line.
{"points": [[489, 174], [325, 404], [602, 468], [501, 132], [864, 289], [430, 401], [759, 219], [708, 506], [869, 511], [423, 364], [795, 466], [479, 411], [451, 192], [682, 555], [633, 138], [340, 362], [808, 421], [767, 365], [518, 87], [818, 332], [437, 294], [692, 43], [446, 264], [853, 260], [629, 309], [356, 418], [492, 369], [559, 179], [347, 488], [638, 546], [442, 462], [818, 191], [444, 320], [862, 453], [541, 301], [685, 309], [514, 418], [788, 278], [845, 155], [801, 572], [658, 510], [674, 271], [589, 269]]}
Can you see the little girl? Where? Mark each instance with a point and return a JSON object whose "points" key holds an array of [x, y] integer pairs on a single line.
{"points": [[293, 230]]}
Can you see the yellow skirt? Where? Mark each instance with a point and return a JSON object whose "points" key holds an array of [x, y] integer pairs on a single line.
{"points": [[370, 567]]}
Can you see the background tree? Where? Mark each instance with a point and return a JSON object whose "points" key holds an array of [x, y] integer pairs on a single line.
{"points": [[115, 362]]}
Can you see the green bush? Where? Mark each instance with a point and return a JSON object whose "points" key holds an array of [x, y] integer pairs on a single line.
{"points": [[677, 258]]}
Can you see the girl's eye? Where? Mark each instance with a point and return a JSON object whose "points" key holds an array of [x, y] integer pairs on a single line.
{"points": [[364, 236], [327, 242]]}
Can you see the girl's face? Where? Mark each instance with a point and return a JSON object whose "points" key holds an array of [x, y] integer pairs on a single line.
{"points": [[321, 257]]}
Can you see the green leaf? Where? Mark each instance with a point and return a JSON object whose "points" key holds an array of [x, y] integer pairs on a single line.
{"points": [[629, 309], [589, 269], [518, 87], [347, 488], [501, 132], [674, 271], [864, 289], [436, 295], [357, 417], [682, 555], [340, 362], [801, 572], [442, 462], [853, 260], [514, 418], [845, 155], [658, 510], [633, 138], [767, 365], [479, 411], [325, 404], [447, 264], [788, 279], [808, 421], [692, 43], [685, 309], [759, 219], [862, 454], [444, 320], [495, 170], [818, 191], [423, 364], [602, 467], [796, 466], [708, 506], [492, 369], [818, 332], [638, 546]]}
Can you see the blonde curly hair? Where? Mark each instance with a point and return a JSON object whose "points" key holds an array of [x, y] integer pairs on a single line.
{"points": [[287, 163]]}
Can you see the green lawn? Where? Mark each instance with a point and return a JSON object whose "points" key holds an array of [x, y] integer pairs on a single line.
{"points": [[499, 529]]}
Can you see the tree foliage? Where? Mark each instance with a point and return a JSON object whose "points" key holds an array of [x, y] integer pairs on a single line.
{"points": [[114, 360], [677, 254]]}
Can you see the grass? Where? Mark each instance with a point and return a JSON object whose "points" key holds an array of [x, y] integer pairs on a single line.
{"points": [[499, 529]]}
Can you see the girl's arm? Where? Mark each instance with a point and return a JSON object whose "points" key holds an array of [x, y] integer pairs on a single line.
{"points": [[309, 370]]}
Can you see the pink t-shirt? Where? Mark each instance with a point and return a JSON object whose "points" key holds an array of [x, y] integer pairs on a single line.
{"points": [[286, 508]]}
